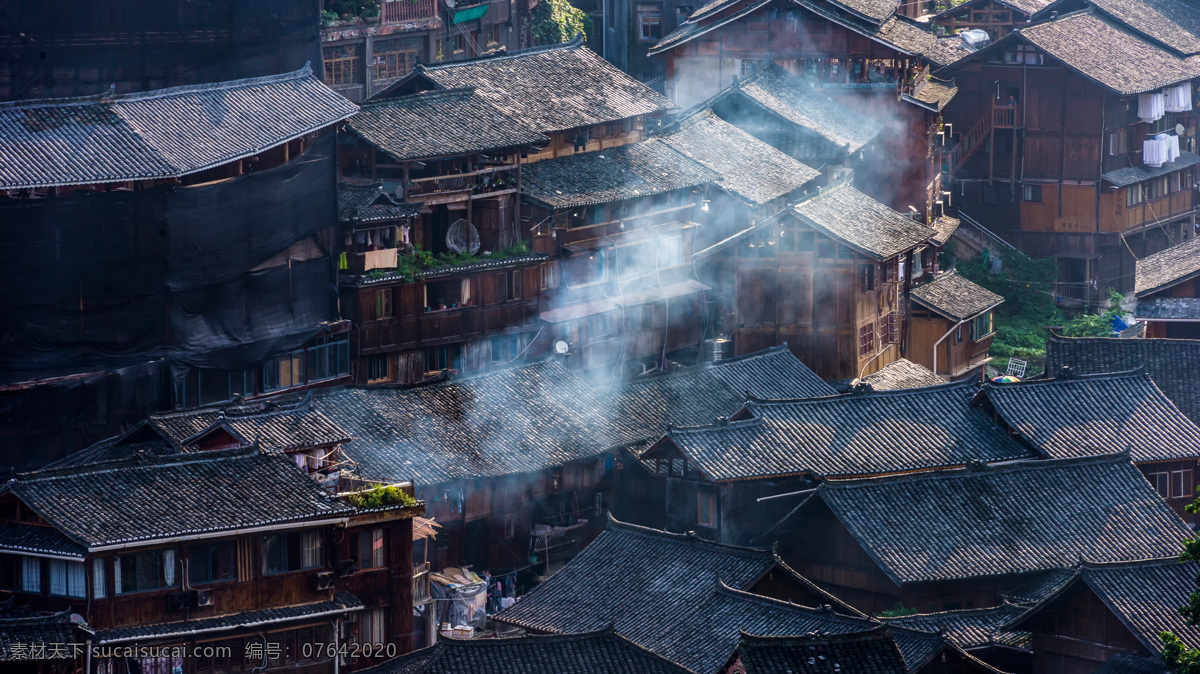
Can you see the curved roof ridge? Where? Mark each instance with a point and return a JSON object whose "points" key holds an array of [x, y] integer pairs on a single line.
{"points": [[628, 527], [1088, 565], [968, 471], [827, 613], [744, 423], [575, 43], [753, 401], [188, 458], [1138, 372]]}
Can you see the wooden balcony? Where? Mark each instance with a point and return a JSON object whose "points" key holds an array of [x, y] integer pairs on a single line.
{"points": [[486, 181], [445, 326], [407, 11], [1007, 116], [375, 259]]}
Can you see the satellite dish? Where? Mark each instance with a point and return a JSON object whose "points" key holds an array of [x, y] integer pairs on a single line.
{"points": [[561, 348], [462, 237], [1179, 129]]}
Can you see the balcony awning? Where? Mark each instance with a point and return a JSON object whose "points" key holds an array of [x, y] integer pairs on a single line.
{"points": [[470, 14]]}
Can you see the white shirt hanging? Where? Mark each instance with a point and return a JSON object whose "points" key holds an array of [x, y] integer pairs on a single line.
{"points": [[1154, 152], [1178, 98], [1150, 107]]}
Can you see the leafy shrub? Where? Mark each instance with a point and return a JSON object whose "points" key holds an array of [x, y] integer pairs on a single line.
{"points": [[380, 497]]}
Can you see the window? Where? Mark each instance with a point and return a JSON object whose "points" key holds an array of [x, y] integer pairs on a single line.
{"points": [[649, 21], [144, 571], [379, 368], [67, 579], [866, 340], [384, 307], [1031, 193], [749, 67], [866, 278], [329, 357], [958, 335], [1156, 188], [293, 551], [1181, 181], [493, 34], [1116, 142], [888, 272], [1181, 483], [706, 510], [982, 327], [670, 251], [510, 526], [371, 627], [585, 268], [845, 253], [458, 43], [99, 585], [682, 12], [21, 574], [211, 563], [549, 275], [598, 325], [284, 371], [394, 58], [1133, 195], [368, 550], [439, 358], [1162, 483], [514, 284], [343, 65], [1023, 53], [890, 329]]}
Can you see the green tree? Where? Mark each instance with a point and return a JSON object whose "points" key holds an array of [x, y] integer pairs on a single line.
{"points": [[1179, 658], [1027, 286], [1098, 324], [556, 21]]}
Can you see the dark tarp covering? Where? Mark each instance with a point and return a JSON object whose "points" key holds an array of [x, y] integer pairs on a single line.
{"points": [[142, 285]]}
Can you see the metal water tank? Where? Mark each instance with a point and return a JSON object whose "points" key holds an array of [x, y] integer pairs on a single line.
{"points": [[718, 348]]}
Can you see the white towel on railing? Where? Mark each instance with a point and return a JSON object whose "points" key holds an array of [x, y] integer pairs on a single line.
{"points": [[1178, 98], [1172, 148], [1150, 107], [1154, 152]]}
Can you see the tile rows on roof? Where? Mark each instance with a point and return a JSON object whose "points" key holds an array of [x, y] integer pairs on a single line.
{"points": [[372, 203], [854, 434], [159, 134], [699, 23], [1167, 267], [1131, 175], [39, 540], [1131, 664], [1096, 414], [171, 496], [1146, 597], [1173, 23], [276, 425], [440, 123], [972, 628], [1037, 586], [601, 651], [623, 172], [553, 88], [342, 602], [935, 92], [21, 630], [1162, 308], [872, 651], [901, 374], [1173, 364], [862, 222], [1000, 520], [1108, 53], [945, 226], [749, 168], [955, 296]]}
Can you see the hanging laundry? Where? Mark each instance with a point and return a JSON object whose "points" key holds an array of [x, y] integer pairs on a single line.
{"points": [[1154, 152], [1177, 98], [1172, 148], [1150, 107]]}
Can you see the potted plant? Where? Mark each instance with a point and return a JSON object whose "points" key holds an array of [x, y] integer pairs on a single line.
{"points": [[441, 304]]}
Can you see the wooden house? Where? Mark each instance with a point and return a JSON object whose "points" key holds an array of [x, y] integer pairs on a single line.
{"points": [[1077, 415], [232, 550], [1066, 146], [952, 325], [365, 55], [982, 632], [995, 17], [834, 285], [163, 251], [33, 642], [620, 223], [1166, 285], [1171, 363], [713, 478], [982, 531], [1112, 613], [450, 284]]}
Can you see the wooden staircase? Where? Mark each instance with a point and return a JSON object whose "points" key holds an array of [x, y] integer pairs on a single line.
{"points": [[1001, 117]]}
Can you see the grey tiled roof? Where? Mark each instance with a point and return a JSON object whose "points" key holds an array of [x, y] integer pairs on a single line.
{"points": [[870, 652], [1038, 586], [1131, 664], [972, 628], [159, 134], [770, 373], [875, 10], [511, 421], [863, 223], [280, 424], [38, 539], [599, 652], [1109, 54], [553, 88], [1131, 175], [955, 297], [1177, 308], [1173, 364], [1001, 520], [343, 602], [796, 101], [669, 593], [854, 434], [21, 628], [1145, 596], [935, 92], [1174, 23], [945, 226], [623, 172], [1167, 267], [443, 123], [749, 168], [171, 496], [371, 203], [1096, 414], [902, 374], [704, 20]]}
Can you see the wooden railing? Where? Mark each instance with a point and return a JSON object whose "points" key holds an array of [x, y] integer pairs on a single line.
{"points": [[1006, 116], [420, 582], [486, 180], [968, 144], [401, 11]]}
